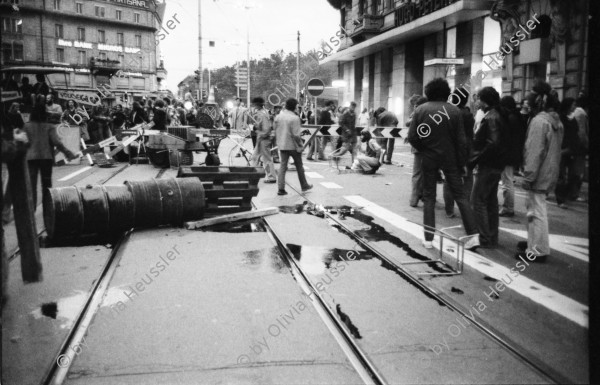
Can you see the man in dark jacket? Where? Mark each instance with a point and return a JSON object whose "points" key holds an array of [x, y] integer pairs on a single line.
{"points": [[437, 132], [489, 156], [386, 119], [459, 98], [516, 133]]}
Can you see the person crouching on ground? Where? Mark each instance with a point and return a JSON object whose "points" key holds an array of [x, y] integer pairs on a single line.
{"points": [[437, 132], [287, 134], [264, 138], [369, 154]]}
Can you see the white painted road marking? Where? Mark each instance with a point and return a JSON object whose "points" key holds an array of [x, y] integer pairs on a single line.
{"points": [[330, 185], [543, 295], [74, 174], [314, 175], [572, 246]]}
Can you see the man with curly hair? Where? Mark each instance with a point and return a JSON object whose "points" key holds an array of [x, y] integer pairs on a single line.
{"points": [[437, 132]]}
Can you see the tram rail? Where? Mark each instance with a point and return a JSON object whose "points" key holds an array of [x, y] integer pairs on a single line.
{"points": [[543, 370], [357, 356]]}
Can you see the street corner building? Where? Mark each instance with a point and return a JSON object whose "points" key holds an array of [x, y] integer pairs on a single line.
{"points": [[92, 40], [391, 49]]}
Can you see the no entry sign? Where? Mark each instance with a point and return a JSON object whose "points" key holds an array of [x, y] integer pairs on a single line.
{"points": [[315, 87]]}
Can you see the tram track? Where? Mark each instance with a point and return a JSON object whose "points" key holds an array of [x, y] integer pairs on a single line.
{"points": [[534, 364], [59, 368], [357, 356]]}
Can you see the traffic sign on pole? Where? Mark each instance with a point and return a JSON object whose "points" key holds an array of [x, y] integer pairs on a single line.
{"points": [[315, 87]]}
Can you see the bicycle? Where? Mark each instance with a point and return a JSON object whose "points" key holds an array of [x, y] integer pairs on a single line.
{"points": [[239, 148]]}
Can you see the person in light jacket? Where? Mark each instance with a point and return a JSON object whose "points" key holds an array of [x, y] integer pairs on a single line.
{"points": [[264, 138], [541, 167], [43, 137], [287, 134]]}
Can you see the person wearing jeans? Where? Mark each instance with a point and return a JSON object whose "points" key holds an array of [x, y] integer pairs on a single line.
{"points": [[43, 137], [437, 133], [386, 119], [490, 156], [287, 133], [541, 168], [264, 131], [517, 129], [417, 175], [456, 187]]}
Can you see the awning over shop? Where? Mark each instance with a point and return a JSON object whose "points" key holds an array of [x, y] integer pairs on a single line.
{"points": [[451, 15]]}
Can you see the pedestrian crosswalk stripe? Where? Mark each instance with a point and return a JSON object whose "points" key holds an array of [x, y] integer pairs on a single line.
{"points": [[330, 185], [74, 174], [314, 175], [549, 298], [572, 246]]}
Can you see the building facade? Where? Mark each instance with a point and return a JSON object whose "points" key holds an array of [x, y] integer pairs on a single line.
{"points": [[94, 40], [392, 48]]}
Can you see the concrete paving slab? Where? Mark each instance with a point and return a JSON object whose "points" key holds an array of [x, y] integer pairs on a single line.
{"points": [[204, 307], [400, 328], [38, 316]]}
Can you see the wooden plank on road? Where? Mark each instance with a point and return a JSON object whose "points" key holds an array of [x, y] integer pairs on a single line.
{"points": [[231, 218]]}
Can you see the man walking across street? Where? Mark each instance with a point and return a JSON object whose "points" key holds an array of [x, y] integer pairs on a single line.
{"points": [[437, 132], [264, 138], [287, 134], [541, 168]]}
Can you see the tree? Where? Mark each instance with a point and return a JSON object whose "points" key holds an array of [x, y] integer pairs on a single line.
{"points": [[273, 77]]}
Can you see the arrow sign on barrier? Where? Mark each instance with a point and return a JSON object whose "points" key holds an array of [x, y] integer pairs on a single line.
{"points": [[336, 130], [386, 132]]}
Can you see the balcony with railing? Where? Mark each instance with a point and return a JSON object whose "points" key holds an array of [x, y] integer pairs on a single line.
{"points": [[104, 66], [161, 72], [365, 27]]}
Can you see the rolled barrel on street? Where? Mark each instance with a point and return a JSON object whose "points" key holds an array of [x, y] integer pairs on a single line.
{"points": [[72, 212]]}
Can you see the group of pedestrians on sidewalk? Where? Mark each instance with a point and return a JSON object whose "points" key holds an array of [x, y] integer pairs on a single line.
{"points": [[476, 155]]}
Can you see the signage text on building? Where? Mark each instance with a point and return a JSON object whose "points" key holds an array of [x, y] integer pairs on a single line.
{"points": [[132, 3]]}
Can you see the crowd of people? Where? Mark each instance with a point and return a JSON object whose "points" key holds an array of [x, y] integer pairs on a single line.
{"points": [[475, 147], [545, 141]]}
